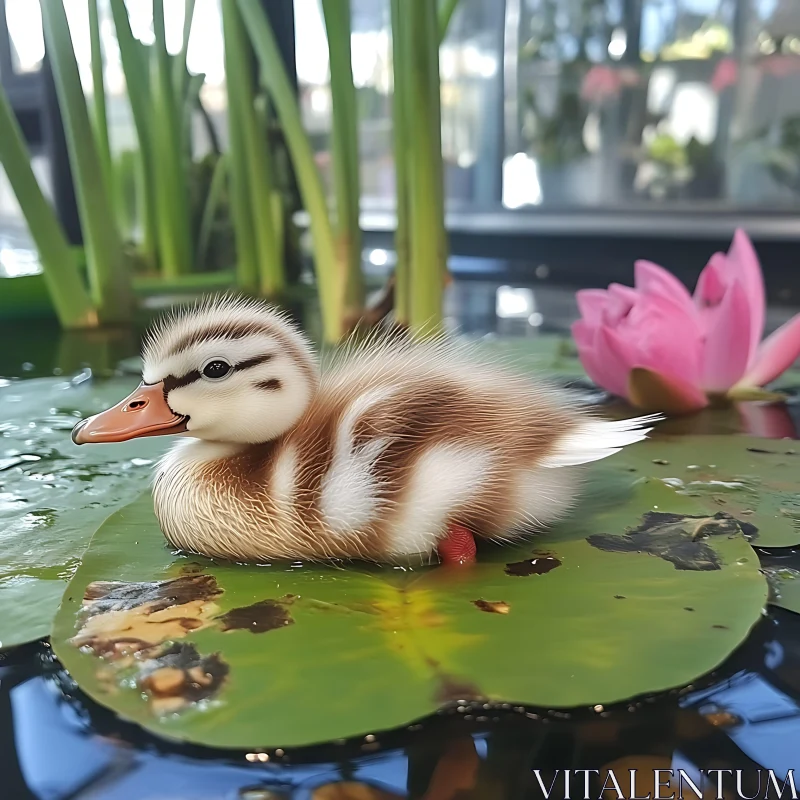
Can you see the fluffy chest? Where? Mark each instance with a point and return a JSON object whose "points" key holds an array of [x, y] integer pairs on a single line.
{"points": [[202, 503]]}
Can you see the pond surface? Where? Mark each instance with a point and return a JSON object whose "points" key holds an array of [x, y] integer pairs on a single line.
{"points": [[56, 743]]}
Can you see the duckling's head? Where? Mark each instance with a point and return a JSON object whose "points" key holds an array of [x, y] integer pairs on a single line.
{"points": [[227, 370]]}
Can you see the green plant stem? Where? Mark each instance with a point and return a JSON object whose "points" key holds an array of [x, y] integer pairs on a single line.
{"points": [[133, 55], [187, 103], [181, 74], [70, 299], [211, 207], [274, 77], [174, 240], [446, 11], [246, 248], [258, 174], [109, 279], [99, 115], [400, 133], [426, 207], [346, 173]]}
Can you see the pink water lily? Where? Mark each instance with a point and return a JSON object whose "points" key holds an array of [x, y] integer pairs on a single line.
{"points": [[664, 349]]}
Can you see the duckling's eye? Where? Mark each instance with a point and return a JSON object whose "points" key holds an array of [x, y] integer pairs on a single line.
{"points": [[216, 369]]}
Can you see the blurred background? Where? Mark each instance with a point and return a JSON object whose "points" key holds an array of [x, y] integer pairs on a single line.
{"points": [[577, 135]]}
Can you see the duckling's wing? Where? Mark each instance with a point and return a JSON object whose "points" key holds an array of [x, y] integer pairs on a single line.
{"points": [[594, 439]]}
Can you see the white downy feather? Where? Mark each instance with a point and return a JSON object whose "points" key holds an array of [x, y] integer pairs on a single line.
{"points": [[598, 438]]}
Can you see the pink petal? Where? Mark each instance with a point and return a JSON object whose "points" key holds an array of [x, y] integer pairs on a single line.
{"points": [[711, 284], [727, 349], [665, 338], [591, 304], [766, 421], [775, 355], [621, 300], [653, 391], [623, 292], [652, 279], [744, 263], [614, 359], [583, 334]]}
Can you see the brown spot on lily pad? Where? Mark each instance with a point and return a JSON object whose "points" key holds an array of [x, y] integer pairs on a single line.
{"points": [[676, 538], [538, 565], [267, 615], [122, 619], [101, 597], [492, 606], [178, 676]]}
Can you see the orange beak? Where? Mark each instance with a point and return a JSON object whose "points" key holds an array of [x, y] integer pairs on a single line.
{"points": [[143, 413]]}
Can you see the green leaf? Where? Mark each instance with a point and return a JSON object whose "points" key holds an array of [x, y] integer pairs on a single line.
{"points": [[99, 116], [287, 655], [174, 232], [134, 58], [55, 494], [109, 277], [70, 299], [330, 274], [753, 479], [784, 584], [252, 175]]}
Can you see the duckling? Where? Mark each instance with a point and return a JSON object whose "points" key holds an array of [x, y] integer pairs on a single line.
{"points": [[394, 451]]}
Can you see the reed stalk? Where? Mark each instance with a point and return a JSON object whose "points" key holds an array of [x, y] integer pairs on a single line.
{"points": [[174, 232], [257, 169], [99, 115], [72, 303], [424, 155], [344, 149], [330, 278], [109, 278], [180, 73], [402, 275], [134, 57], [216, 190]]}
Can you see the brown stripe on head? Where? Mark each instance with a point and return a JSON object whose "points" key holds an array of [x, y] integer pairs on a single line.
{"points": [[228, 329], [228, 319]]}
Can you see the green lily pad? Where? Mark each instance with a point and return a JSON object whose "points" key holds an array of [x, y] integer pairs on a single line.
{"points": [[756, 480], [784, 584], [289, 654], [53, 494]]}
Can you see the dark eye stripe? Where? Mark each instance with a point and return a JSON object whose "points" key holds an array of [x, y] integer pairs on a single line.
{"points": [[254, 362], [272, 385], [171, 382]]}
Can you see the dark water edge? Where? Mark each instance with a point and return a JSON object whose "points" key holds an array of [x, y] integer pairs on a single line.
{"points": [[56, 743]]}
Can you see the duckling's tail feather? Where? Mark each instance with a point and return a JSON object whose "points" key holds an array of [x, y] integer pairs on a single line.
{"points": [[598, 438]]}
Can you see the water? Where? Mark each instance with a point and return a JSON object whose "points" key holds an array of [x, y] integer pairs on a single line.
{"points": [[55, 743]]}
